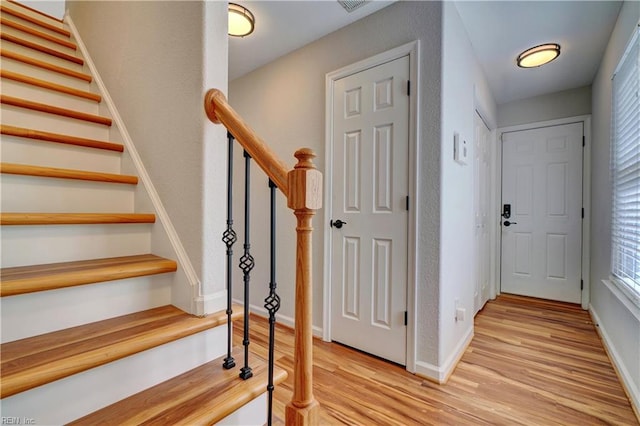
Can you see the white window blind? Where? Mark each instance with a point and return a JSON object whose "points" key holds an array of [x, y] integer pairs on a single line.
{"points": [[625, 159]]}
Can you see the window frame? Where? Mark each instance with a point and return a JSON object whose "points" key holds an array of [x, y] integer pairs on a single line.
{"points": [[628, 286]]}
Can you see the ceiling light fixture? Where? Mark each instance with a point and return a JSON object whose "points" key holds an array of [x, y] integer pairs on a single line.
{"points": [[241, 21], [539, 55]]}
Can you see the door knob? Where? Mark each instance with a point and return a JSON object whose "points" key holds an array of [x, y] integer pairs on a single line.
{"points": [[507, 223], [337, 223]]}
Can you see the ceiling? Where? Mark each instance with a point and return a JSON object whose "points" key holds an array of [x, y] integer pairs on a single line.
{"points": [[498, 30], [284, 26]]}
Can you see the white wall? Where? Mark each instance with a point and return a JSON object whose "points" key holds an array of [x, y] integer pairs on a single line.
{"points": [[464, 88], [284, 102], [568, 103], [617, 322], [157, 59], [54, 8]]}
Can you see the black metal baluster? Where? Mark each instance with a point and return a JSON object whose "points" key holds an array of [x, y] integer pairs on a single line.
{"points": [[229, 237], [246, 264], [272, 302]]}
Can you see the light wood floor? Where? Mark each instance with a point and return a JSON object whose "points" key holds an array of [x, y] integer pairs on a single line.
{"points": [[531, 362]]}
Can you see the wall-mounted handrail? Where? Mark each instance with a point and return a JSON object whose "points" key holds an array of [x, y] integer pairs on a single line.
{"points": [[219, 111], [303, 188]]}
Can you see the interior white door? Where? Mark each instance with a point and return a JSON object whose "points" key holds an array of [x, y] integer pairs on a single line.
{"points": [[369, 194], [481, 201], [542, 238]]}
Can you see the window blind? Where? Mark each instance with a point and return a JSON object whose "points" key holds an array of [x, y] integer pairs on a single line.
{"points": [[625, 159]]}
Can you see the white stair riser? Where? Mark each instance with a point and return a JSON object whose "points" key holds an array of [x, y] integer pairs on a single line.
{"points": [[33, 314], [43, 74], [24, 117], [54, 195], [38, 244], [47, 96], [51, 154], [27, 12], [41, 56], [68, 399], [39, 40], [253, 413]]}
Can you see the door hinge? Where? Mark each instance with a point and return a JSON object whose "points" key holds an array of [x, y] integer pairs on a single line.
{"points": [[583, 212], [581, 285], [408, 87], [406, 317], [583, 141], [407, 203]]}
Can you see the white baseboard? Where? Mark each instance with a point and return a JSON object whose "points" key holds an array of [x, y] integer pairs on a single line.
{"points": [[441, 374], [211, 303], [625, 377], [283, 319]]}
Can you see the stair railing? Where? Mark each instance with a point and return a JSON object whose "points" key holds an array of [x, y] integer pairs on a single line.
{"points": [[302, 186]]}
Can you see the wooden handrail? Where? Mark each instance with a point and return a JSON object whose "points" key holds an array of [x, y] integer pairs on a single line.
{"points": [[219, 111], [303, 188]]}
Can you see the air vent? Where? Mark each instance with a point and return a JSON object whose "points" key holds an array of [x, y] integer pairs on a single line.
{"points": [[351, 5]]}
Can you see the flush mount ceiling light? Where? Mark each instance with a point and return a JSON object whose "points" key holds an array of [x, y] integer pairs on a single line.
{"points": [[539, 55], [241, 21]]}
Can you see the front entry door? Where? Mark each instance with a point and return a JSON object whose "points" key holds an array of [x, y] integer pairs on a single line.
{"points": [[542, 189], [369, 198]]}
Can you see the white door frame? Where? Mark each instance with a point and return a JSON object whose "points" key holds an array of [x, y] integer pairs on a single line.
{"points": [[586, 194], [413, 50]]}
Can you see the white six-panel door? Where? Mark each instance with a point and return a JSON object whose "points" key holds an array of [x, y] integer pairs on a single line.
{"points": [[542, 181], [370, 186]]}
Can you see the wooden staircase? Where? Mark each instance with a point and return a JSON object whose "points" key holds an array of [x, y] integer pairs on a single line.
{"points": [[89, 334]]}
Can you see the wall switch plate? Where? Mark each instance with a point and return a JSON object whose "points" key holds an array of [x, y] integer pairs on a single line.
{"points": [[460, 149]]}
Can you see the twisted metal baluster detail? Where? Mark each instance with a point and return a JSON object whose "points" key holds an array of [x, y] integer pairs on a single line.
{"points": [[229, 238], [246, 264], [272, 302]]}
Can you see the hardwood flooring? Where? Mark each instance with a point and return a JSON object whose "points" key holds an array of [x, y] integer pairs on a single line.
{"points": [[531, 362]]}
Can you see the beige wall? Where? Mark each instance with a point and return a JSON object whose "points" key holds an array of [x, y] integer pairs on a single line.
{"points": [[568, 103], [157, 59], [285, 103]]}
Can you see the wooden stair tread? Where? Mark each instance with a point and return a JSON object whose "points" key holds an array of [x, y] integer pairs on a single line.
{"points": [[45, 65], [36, 33], [204, 395], [40, 48], [35, 361], [54, 172], [74, 218], [28, 279], [36, 11], [59, 138], [50, 109], [35, 21], [49, 85]]}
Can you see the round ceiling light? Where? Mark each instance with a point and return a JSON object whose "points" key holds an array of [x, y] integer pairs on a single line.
{"points": [[539, 55], [241, 21]]}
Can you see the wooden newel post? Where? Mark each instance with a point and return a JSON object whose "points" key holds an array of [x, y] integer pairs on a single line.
{"points": [[305, 197]]}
